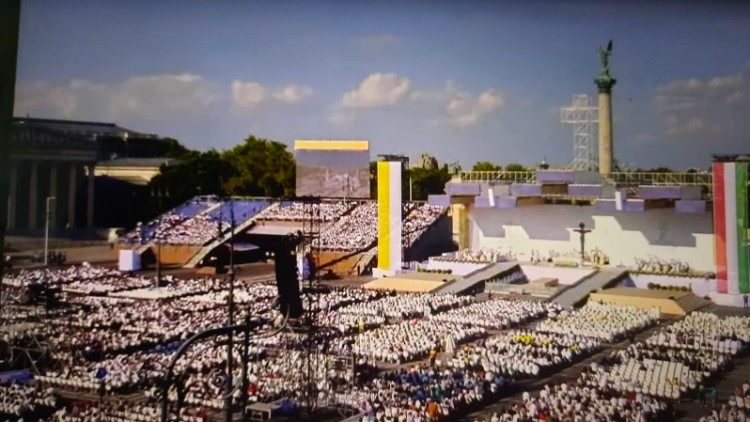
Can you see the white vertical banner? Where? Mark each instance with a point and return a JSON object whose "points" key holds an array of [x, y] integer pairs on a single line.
{"points": [[730, 199], [395, 216], [389, 216]]}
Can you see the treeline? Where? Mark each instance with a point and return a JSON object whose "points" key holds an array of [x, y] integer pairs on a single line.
{"points": [[260, 167], [255, 167]]}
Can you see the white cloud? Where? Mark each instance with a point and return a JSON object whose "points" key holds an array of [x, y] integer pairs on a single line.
{"points": [[160, 95], [453, 106], [152, 97], [293, 94], [377, 90], [692, 126], [252, 94], [464, 109], [694, 92], [248, 94], [380, 40], [702, 108]]}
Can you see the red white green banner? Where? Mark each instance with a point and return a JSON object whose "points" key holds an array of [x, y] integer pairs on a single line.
{"points": [[730, 188]]}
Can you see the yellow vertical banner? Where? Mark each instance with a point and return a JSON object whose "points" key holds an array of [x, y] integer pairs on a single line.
{"points": [[389, 216], [384, 197]]}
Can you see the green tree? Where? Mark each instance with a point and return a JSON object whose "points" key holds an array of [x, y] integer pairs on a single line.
{"points": [[660, 170], [198, 173], [485, 166], [173, 148], [260, 167], [374, 179], [427, 182], [515, 167]]}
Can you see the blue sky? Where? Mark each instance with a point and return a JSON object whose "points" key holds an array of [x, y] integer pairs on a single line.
{"points": [[465, 81]]}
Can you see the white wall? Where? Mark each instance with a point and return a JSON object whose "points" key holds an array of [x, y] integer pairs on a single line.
{"points": [[623, 236]]}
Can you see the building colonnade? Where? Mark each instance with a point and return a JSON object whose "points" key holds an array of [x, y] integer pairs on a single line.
{"points": [[33, 181]]}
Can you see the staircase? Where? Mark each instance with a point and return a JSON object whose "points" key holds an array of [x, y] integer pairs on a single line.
{"points": [[476, 279], [690, 302], [343, 264], [597, 281], [193, 262]]}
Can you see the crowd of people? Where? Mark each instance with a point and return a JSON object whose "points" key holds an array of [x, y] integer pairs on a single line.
{"points": [[194, 231], [423, 393], [26, 401], [606, 322], [679, 357], [736, 408], [408, 305], [337, 298], [498, 314], [299, 211], [418, 220], [352, 232], [353, 225], [411, 340], [579, 402], [118, 338], [524, 353], [478, 256], [84, 273]]}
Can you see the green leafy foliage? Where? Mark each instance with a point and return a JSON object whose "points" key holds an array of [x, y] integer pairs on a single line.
{"points": [[256, 167], [260, 167], [485, 166]]}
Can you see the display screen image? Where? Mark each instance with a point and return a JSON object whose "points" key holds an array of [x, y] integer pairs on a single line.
{"points": [[332, 169]]}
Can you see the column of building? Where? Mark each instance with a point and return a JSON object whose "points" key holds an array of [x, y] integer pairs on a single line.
{"points": [[34, 201], [72, 181], [33, 195], [52, 213], [90, 196], [12, 199]]}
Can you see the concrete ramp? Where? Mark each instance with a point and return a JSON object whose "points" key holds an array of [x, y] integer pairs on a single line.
{"points": [[477, 279], [597, 281], [206, 249]]}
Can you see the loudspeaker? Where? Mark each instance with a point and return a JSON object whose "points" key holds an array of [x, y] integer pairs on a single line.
{"points": [[287, 281]]}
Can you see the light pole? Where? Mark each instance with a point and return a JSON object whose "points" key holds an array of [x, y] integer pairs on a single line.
{"points": [[46, 231], [158, 235], [230, 322]]}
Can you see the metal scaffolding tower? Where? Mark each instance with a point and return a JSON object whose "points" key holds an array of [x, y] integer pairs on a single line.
{"points": [[583, 116]]}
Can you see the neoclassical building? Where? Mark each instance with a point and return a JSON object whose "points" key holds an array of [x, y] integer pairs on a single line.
{"points": [[58, 158]]}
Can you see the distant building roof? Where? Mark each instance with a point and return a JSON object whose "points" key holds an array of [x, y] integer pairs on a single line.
{"points": [[76, 127], [138, 162]]}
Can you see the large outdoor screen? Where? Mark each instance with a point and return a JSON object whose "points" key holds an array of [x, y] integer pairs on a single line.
{"points": [[336, 168]]}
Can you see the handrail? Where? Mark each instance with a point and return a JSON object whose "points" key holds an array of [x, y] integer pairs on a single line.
{"points": [[622, 178]]}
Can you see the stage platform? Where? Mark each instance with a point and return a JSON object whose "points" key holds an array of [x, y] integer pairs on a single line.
{"points": [[411, 282], [668, 301]]}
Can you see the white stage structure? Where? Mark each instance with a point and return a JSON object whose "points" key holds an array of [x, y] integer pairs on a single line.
{"points": [[583, 116]]}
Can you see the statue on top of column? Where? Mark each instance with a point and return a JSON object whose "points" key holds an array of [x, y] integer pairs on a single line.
{"points": [[604, 58]]}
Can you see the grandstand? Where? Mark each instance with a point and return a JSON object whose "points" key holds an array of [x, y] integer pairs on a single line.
{"points": [[192, 231]]}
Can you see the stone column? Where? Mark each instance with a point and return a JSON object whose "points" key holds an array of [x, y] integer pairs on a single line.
{"points": [[72, 181], [53, 192], [460, 216], [606, 148], [33, 196], [12, 199], [90, 197]]}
